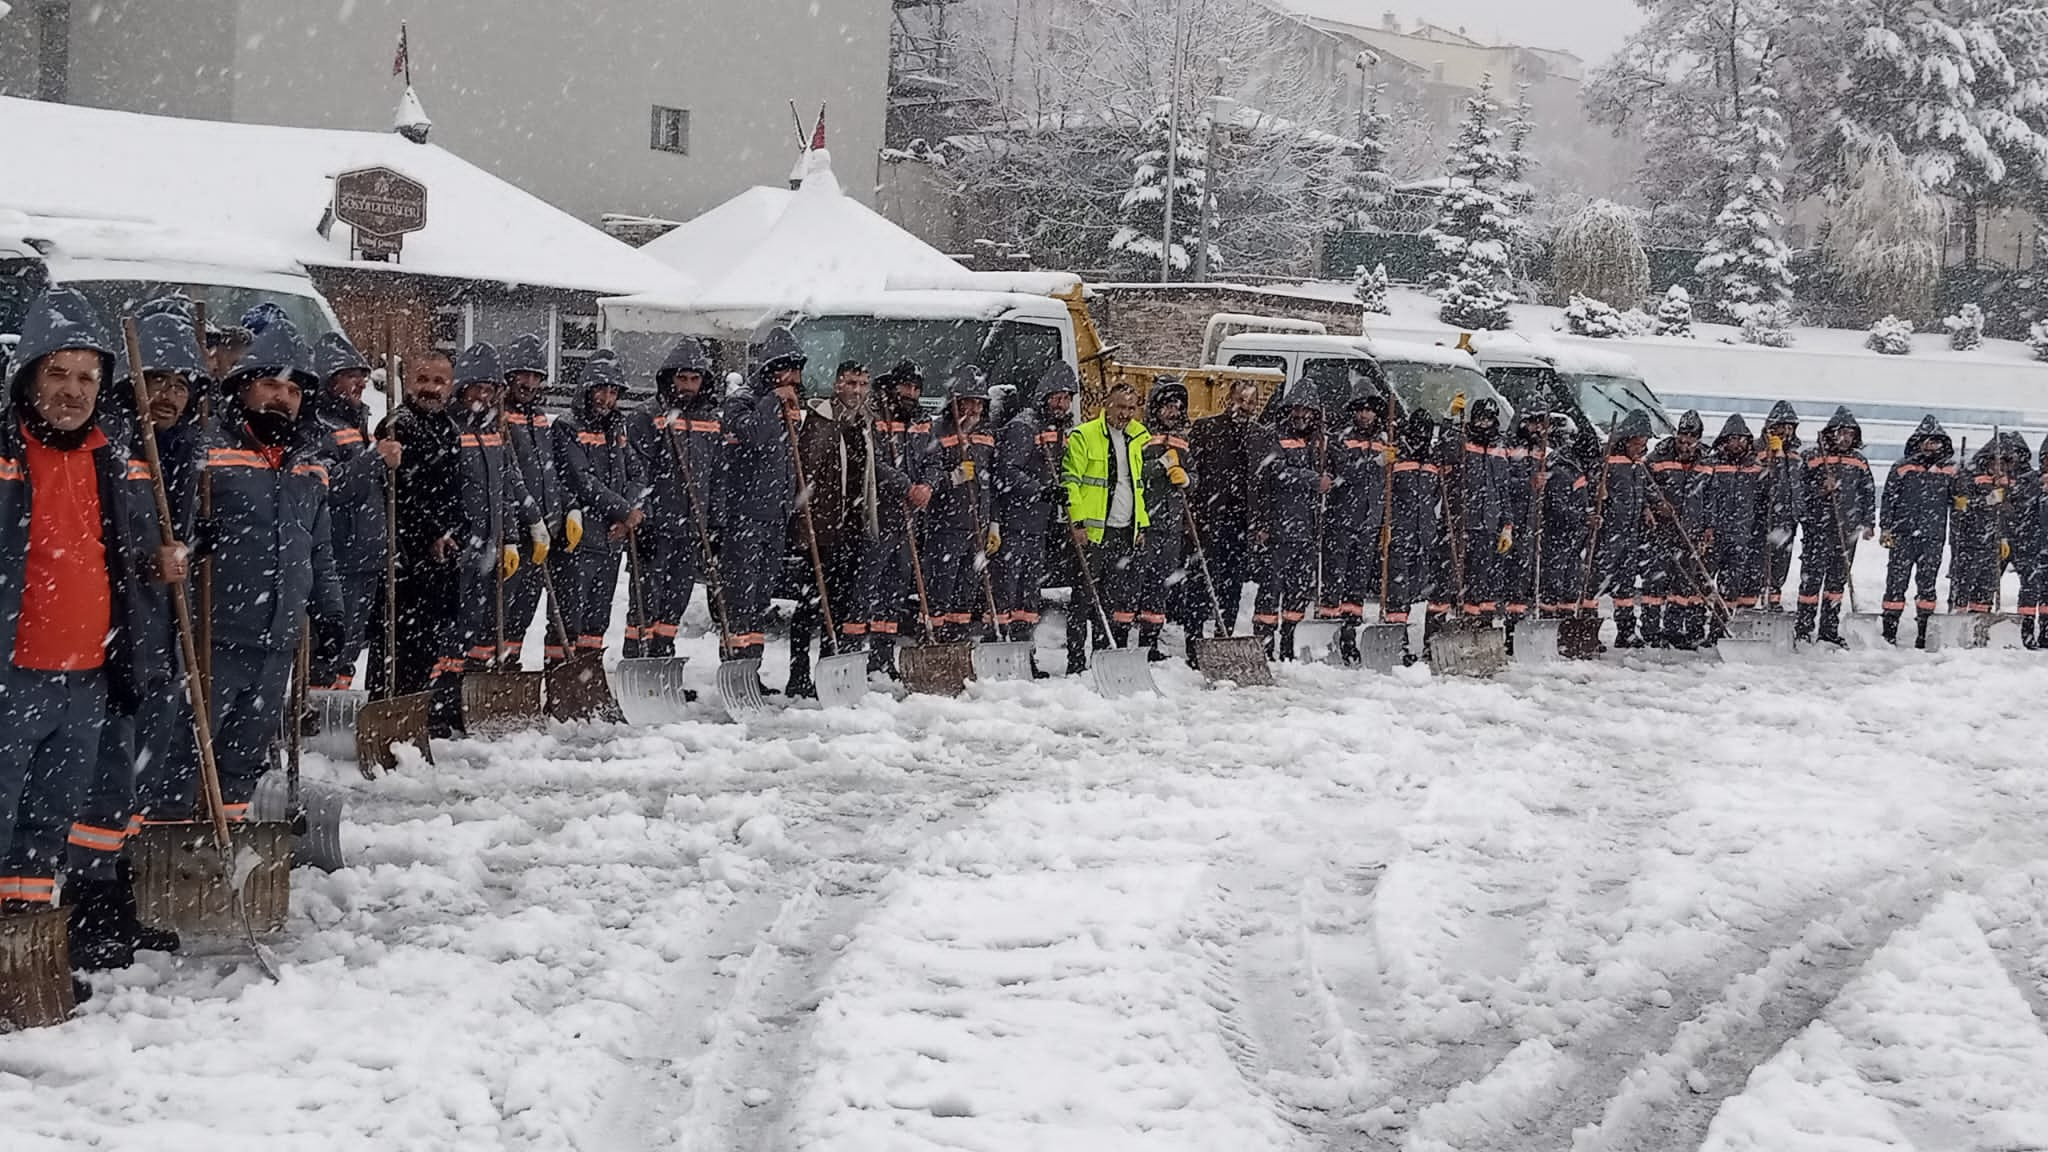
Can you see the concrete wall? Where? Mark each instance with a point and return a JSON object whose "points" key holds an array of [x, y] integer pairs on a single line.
{"points": [[555, 98], [18, 48]]}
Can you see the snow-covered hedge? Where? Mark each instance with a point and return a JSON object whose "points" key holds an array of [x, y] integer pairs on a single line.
{"points": [[1965, 328], [1589, 317], [1891, 336]]}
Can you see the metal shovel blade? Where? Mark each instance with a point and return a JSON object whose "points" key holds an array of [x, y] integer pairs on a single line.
{"points": [[739, 688], [650, 690], [842, 680], [1757, 637], [1122, 672], [1316, 640], [1537, 641], [1382, 647], [1958, 630], [1003, 660], [1863, 630], [936, 669], [2002, 630], [383, 725], [1578, 637], [502, 701], [318, 844], [1239, 660], [333, 730], [577, 691], [1468, 649]]}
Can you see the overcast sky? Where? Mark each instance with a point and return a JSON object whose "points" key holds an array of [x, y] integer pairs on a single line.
{"points": [[1591, 28]]}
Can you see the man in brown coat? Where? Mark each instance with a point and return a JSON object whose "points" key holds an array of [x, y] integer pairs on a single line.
{"points": [[837, 444]]}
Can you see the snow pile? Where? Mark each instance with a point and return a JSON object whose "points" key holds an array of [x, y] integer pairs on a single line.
{"points": [[1591, 318]]}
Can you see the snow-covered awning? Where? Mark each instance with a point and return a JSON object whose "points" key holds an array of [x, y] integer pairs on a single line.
{"points": [[773, 252], [269, 185]]}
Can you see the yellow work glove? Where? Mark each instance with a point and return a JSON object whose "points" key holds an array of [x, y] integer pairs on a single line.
{"points": [[1458, 404], [1177, 476], [1889, 540], [539, 535], [995, 539], [1775, 443], [508, 562], [1173, 457], [2004, 551], [1962, 503], [1506, 541], [572, 528], [1392, 454], [1998, 495], [964, 474]]}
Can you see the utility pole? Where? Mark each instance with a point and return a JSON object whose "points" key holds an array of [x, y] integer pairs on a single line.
{"points": [[1220, 106], [1172, 147]]}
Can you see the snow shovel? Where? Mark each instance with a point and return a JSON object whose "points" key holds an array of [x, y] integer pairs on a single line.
{"points": [[650, 689], [1315, 638], [1857, 629], [1755, 637], [382, 725], [1536, 635], [1118, 671], [1950, 630], [576, 687], [841, 676], [498, 699], [313, 810], [1223, 657], [330, 716], [1464, 646], [932, 668], [1007, 658], [1383, 647], [232, 866]]}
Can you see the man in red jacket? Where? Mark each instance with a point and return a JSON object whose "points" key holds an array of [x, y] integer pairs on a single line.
{"points": [[70, 572]]}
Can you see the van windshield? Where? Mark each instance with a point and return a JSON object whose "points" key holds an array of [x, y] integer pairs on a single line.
{"points": [[1610, 399], [1432, 387]]}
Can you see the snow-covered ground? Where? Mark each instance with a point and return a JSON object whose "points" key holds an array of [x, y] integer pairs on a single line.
{"points": [[1617, 906]]}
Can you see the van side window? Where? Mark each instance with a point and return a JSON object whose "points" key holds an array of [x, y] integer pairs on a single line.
{"points": [[1332, 379], [1247, 360]]}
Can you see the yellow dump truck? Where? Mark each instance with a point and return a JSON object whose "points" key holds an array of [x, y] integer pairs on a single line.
{"points": [[1208, 386]]}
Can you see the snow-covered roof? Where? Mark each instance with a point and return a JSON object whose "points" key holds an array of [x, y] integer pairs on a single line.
{"points": [[1411, 352], [263, 184], [770, 252]]}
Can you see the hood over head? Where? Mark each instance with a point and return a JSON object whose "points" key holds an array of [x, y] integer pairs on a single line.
{"points": [[1844, 420], [59, 320], [1934, 436], [902, 371], [1301, 394], [1734, 427], [1782, 413], [968, 383], [524, 353], [1690, 424], [170, 342], [1634, 426], [333, 355], [1058, 378], [598, 372], [774, 347], [687, 356], [478, 364], [278, 350]]}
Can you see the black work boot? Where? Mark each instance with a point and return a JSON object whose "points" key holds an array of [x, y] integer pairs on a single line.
{"points": [[1287, 640], [1347, 644], [800, 685], [99, 941], [1831, 624], [1625, 635], [1802, 628], [1148, 639], [882, 656], [1920, 630], [1194, 650], [1891, 626], [1265, 633]]}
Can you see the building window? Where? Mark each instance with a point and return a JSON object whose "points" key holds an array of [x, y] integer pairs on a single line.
{"points": [[451, 327], [671, 130], [577, 340]]}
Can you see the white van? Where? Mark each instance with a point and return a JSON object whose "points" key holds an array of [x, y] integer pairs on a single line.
{"points": [[1423, 377], [1596, 388], [119, 264]]}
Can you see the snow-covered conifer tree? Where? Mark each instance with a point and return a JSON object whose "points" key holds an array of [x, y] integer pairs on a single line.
{"points": [[1965, 328], [1141, 240], [1674, 313], [1371, 287], [1476, 226], [1747, 266], [1363, 182]]}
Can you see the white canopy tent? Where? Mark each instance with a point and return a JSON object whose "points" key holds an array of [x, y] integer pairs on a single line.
{"points": [[771, 252]]}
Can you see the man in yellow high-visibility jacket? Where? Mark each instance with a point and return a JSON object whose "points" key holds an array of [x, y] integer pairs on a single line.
{"points": [[1106, 516]]}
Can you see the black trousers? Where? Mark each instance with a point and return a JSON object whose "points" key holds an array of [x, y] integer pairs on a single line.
{"points": [[1114, 562]]}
